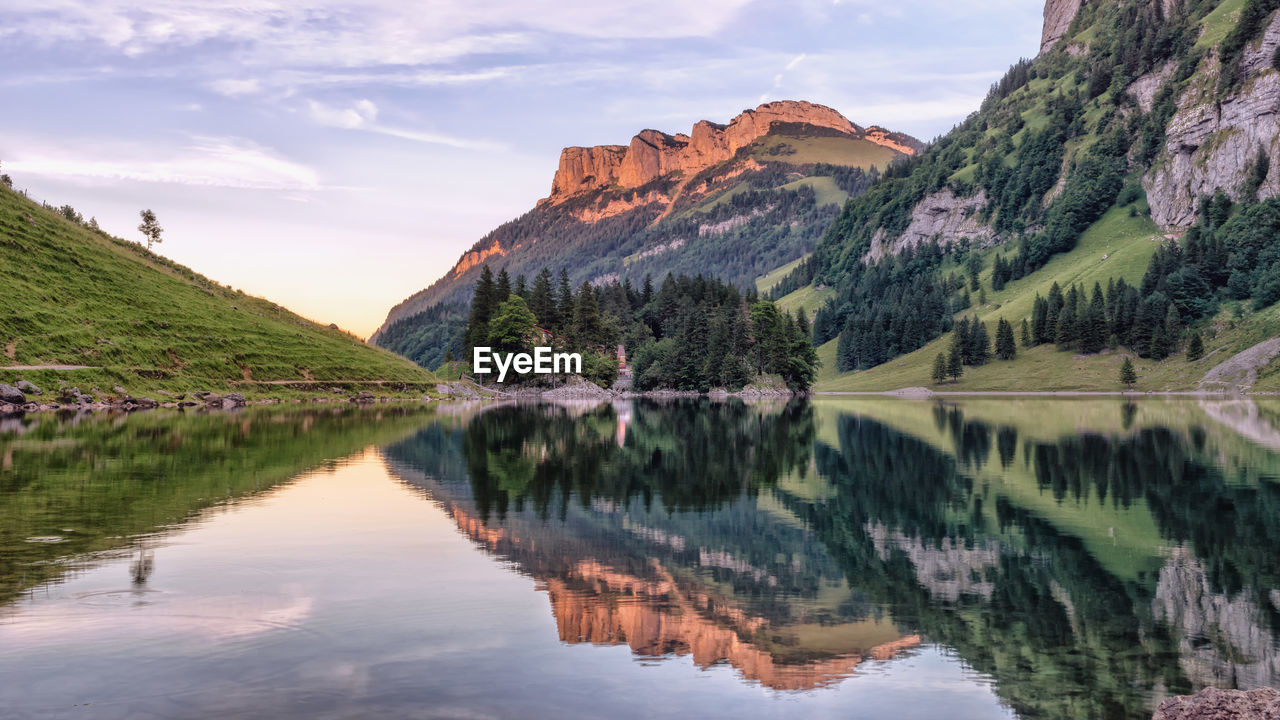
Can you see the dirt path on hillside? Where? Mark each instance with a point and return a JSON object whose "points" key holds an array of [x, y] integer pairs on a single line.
{"points": [[50, 367], [1241, 370]]}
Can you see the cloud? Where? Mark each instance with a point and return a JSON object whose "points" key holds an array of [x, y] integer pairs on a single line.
{"points": [[363, 115], [204, 161], [355, 33], [234, 88]]}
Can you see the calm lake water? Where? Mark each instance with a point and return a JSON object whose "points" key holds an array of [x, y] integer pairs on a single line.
{"points": [[841, 557]]}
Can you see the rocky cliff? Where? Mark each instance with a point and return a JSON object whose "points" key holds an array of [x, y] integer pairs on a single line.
{"points": [[1212, 143], [1058, 15], [653, 154], [943, 217]]}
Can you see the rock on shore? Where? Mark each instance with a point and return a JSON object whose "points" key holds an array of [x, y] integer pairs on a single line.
{"points": [[1215, 704]]}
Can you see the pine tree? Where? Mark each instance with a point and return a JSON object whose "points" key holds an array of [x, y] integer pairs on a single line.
{"points": [[482, 306], [503, 289], [802, 356], [979, 343], [1195, 347], [955, 360], [521, 287], [940, 368], [1127, 374], [542, 300], [1006, 347], [588, 331], [564, 307], [1026, 333], [1039, 321], [1093, 328]]}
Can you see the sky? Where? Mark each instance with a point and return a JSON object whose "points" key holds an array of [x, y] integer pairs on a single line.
{"points": [[337, 156]]}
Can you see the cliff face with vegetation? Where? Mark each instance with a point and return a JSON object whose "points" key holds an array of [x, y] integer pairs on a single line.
{"points": [[1214, 138], [1138, 124]]}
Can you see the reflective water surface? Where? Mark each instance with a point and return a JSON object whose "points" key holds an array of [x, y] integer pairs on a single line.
{"points": [[840, 557]]}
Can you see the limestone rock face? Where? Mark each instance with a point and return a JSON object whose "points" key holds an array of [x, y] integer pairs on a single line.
{"points": [[941, 216], [1058, 15], [1213, 145], [653, 154]]}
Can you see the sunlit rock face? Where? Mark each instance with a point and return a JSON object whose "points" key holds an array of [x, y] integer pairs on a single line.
{"points": [[646, 609], [653, 154], [655, 617], [1224, 640]]}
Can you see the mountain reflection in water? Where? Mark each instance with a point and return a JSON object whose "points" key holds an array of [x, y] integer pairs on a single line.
{"points": [[1091, 557], [1077, 558]]}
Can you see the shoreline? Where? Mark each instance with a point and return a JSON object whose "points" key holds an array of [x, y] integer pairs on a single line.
{"points": [[907, 393]]}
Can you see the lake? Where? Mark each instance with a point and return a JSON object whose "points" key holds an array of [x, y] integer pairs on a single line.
{"points": [[835, 557]]}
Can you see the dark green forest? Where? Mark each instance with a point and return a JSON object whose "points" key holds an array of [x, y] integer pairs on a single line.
{"points": [[689, 334]]}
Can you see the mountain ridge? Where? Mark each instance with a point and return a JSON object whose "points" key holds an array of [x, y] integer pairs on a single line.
{"points": [[621, 210], [652, 154]]}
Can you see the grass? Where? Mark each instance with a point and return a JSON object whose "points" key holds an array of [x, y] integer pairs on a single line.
{"points": [[854, 152], [74, 296], [1117, 246], [1218, 23], [809, 298], [824, 188], [765, 283]]}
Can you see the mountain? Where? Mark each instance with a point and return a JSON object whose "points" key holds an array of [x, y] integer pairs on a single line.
{"points": [[75, 296], [734, 200], [1133, 154]]}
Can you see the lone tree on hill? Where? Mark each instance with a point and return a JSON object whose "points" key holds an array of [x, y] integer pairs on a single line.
{"points": [[1127, 375], [150, 228]]}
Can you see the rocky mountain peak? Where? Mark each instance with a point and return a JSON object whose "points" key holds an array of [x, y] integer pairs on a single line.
{"points": [[652, 154]]}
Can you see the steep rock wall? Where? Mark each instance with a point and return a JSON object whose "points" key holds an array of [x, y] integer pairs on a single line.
{"points": [[1058, 15], [941, 216], [1212, 145]]}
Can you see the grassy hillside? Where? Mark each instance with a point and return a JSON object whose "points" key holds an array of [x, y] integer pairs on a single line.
{"points": [[854, 152], [75, 296], [1118, 246], [1054, 160]]}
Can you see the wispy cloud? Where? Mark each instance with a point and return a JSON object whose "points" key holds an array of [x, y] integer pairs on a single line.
{"points": [[203, 161], [363, 115]]}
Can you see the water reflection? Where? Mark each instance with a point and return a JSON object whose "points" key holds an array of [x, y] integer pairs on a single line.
{"points": [[1091, 566], [1082, 558]]}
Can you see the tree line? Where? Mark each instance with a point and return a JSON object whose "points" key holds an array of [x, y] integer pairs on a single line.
{"points": [[691, 333]]}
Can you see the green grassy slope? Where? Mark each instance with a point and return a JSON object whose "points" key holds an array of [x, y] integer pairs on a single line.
{"points": [[74, 296], [1118, 246], [765, 282]]}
